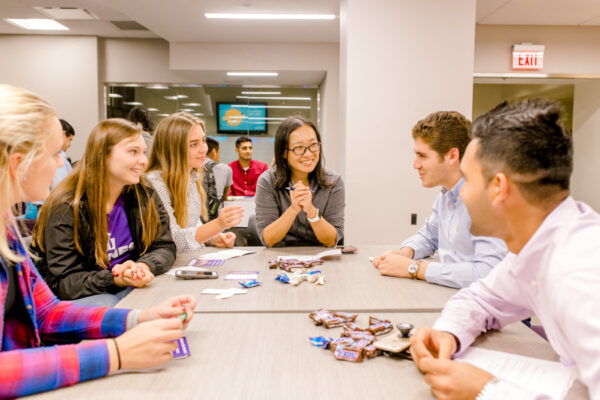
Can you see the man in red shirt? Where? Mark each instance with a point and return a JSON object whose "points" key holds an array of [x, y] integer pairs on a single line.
{"points": [[245, 170]]}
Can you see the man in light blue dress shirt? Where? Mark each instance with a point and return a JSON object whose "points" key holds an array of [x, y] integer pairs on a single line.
{"points": [[439, 143]]}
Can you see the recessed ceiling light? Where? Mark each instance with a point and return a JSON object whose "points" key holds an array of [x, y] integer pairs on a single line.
{"points": [[273, 98], [171, 97], [39, 24], [132, 85], [182, 96], [268, 16], [198, 114], [252, 74], [133, 103], [261, 93], [157, 87], [186, 109], [163, 115], [192, 104], [153, 109], [260, 106], [115, 95]]}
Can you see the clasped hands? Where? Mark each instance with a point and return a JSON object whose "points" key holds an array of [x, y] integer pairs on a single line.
{"points": [[301, 198]]}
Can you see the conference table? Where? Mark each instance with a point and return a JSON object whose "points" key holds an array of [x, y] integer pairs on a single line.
{"points": [[352, 284], [255, 345]]}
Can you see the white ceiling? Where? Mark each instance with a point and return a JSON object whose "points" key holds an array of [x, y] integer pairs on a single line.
{"points": [[183, 20]]}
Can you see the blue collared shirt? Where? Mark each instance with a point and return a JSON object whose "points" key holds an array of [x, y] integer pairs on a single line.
{"points": [[464, 258], [62, 172]]}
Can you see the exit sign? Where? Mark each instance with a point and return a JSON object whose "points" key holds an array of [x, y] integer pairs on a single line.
{"points": [[528, 56]]}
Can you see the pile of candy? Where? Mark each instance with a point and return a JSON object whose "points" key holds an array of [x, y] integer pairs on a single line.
{"points": [[300, 275], [355, 343], [291, 264]]}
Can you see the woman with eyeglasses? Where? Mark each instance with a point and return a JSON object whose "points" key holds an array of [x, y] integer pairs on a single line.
{"points": [[298, 201]]}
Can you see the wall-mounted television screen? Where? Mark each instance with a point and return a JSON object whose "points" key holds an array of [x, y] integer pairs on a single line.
{"points": [[242, 118]]}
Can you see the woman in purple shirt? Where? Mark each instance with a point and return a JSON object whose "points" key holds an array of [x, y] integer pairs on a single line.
{"points": [[103, 230]]}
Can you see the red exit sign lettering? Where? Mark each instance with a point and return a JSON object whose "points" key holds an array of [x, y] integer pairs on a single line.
{"points": [[528, 57]]}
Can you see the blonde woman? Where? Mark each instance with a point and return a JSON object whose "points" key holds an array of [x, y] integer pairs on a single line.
{"points": [[175, 169], [30, 315], [102, 230]]}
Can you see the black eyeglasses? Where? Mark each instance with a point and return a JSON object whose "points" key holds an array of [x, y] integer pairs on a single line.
{"points": [[300, 150]]}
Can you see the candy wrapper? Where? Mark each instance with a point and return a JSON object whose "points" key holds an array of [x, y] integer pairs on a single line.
{"points": [[320, 341], [249, 284]]}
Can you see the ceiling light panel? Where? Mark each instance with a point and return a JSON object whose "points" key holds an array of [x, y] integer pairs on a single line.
{"points": [[270, 16], [37, 24]]}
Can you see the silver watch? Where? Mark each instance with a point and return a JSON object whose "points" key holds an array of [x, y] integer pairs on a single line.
{"points": [[413, 268], [316, 218]]}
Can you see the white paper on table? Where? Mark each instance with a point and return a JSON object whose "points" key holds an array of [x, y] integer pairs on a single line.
{"points": [[224, 291], [225, 254], [185, 268], [326, 253], [241, 275], [538, 376]]}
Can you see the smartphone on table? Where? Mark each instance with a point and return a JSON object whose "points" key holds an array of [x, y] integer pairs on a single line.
{"points": [[196, 274]]}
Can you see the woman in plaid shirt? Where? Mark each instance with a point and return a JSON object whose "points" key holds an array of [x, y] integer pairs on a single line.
{"points": [[39, 334]]}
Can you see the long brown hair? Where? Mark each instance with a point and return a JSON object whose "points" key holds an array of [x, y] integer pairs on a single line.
{"points": [[169, 155], [89, 178], [24, 121]]}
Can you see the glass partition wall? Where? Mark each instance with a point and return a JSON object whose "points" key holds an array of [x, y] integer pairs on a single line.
{"points": [[228, 111]]}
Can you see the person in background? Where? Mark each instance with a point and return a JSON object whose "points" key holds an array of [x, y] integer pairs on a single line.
{"points": [[62, 172], [440, 142], [175, 171], [141, 115], [103, 230], [245, 170], [299, 202], [217, 176], [41, 345], [517, 170]]}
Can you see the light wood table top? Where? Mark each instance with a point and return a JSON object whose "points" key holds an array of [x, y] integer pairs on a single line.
{"points": [[353, 284], [268, 356]]}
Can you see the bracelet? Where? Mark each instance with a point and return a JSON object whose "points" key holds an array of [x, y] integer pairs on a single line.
{"points": [[118, 353], [487, 389]]}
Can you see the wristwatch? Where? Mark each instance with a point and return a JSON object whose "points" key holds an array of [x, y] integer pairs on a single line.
{"points": [[316, 218], [413, 268]]}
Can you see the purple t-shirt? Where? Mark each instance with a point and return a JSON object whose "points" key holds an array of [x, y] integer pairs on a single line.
{"points": [[120, 242]]}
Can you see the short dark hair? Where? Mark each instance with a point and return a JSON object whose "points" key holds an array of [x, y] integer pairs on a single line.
{"points": [[443, 131], [140, 115], [241, 140], [283, 174], [212, 144], [527, 141], [69, 131]]}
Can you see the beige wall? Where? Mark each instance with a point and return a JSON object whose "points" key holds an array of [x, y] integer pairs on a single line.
{"points": [[63, 70], [586, 143], [568, 49], [396, 70]]}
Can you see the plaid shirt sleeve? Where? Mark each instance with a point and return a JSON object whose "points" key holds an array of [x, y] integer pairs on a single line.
{"points": [[25, 371]]}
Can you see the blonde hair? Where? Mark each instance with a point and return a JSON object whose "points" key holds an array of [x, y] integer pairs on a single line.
{"points": [[24, 122], [89, 178], [169, 155]]}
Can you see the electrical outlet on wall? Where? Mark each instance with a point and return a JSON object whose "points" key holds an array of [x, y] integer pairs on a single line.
{"points": [[413, 219]]}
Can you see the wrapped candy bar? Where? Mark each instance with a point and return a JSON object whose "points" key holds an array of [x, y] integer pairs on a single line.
{"points": [[348, 354], [381, 328], [359, 335], [343, 341], [320, 341], [318, 315], [249, 284], [351, 317], [333, 322], [351, 326], [273, 264], [371, 351], [282, 277], [374, 320]]}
